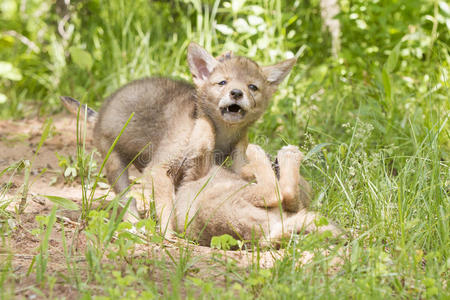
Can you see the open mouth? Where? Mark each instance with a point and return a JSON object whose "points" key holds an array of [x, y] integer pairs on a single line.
{"points": [[233, 112]]}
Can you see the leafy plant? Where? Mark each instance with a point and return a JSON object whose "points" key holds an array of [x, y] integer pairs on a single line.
{"points": [[223, 242], [69, 167]]}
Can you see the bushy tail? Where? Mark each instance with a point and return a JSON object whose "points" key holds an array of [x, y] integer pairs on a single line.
{"points": [[73, 105]]}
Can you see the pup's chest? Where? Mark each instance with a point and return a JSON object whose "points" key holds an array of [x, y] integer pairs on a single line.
{"points": [[223, 149]]}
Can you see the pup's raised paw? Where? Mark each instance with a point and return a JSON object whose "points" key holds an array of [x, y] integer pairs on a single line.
{"points": [[256, 154], [258, 163], [289, 155]]}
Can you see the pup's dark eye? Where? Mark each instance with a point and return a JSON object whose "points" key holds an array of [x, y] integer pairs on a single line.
{"points": [[223, 82], [253, 87]]}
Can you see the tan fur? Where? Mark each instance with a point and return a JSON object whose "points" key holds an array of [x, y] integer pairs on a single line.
{"points": [[224, 203], [166, 112]]}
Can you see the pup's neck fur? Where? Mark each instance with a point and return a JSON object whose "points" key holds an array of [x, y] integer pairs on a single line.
{"points": [[228, 135]]}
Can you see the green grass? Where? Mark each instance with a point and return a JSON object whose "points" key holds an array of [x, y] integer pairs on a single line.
{"points": [[374, 122]]}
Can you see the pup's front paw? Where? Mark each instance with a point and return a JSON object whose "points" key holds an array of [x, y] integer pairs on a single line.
{"points": [[202, 139]]}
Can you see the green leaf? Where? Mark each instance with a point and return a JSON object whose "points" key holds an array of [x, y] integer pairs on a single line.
{"points": [[70, 172], [63, 202], [224, 242], [124, 226], [387, 84], [322, 221], [316, 149], [81, 58], [392, 60]]}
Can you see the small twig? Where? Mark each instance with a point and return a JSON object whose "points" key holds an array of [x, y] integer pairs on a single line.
{"points": [[75, 236], [66, 219], [18, 291], [37, 199]]}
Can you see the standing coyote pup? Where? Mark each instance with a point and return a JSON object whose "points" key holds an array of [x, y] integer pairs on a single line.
{"points": [[230, 94], [223, 203]]}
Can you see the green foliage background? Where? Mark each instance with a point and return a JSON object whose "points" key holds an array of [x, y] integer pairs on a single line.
{"points": [[41, 43], [374, 119]]}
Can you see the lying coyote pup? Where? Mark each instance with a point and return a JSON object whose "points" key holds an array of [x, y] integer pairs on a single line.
{"points": [[226, 204], [230, 94]]}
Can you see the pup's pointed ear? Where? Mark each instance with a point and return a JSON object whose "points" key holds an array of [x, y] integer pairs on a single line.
{"points": [[201, 63], [276, 73]]}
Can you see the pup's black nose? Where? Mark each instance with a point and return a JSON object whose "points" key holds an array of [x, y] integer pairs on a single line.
{"points": [[236, 94]]}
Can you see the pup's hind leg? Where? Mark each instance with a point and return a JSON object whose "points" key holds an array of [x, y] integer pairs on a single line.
{"points": [[295, 190], [265, 192]]}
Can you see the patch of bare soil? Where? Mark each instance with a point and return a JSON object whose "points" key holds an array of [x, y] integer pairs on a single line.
{"points": [[19, 141]]}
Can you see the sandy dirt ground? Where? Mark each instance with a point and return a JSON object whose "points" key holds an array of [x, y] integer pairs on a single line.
{"points": [[19, 141]]}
